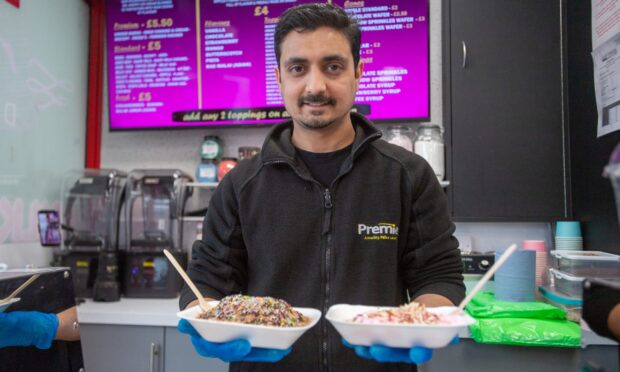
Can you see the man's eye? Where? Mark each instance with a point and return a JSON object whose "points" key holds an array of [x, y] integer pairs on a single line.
{"points": [[334, 68], [295, 69]]}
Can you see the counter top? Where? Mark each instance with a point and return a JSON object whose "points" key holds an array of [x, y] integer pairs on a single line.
{"points": [[131, 311], [162, 312]]}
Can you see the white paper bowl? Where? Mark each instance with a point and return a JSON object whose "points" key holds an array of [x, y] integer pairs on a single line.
{"points": [[5, 305], [271, 337], [395, 335]]}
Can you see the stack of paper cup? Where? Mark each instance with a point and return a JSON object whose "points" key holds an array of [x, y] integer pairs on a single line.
{"points": [[515, 280], [540, 248], [568, 236]]}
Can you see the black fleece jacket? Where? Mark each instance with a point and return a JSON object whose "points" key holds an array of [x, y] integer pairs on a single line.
{"points": [[380, 230]]}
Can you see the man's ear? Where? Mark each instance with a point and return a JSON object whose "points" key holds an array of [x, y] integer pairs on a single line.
{"points": [[276, 70], [359, 70]]}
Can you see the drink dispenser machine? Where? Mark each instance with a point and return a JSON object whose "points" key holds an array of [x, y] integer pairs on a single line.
{"points": [[155, 202], [90, 212]]}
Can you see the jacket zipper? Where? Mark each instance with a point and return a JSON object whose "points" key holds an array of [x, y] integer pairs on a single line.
{"points": [[326, 230], [327, 198]]}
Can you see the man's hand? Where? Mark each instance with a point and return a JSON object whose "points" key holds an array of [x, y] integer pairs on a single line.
{"points": [[28, 328], [233, 351], [416, 354], [385, 354]]}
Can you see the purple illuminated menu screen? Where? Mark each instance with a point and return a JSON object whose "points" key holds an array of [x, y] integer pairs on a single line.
{"points": [[183, 63]]}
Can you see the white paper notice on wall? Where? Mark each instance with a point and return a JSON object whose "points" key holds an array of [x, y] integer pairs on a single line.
{"points": [[605, 21], [606, 58]]}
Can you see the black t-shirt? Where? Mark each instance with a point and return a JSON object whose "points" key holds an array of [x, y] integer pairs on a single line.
{"points": [[324, 167]]}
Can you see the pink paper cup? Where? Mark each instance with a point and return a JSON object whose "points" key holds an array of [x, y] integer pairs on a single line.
{"points": [[534, 245]]}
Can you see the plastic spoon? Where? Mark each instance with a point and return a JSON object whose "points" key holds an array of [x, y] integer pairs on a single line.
{"points": [[204, 305], [19, 289], [486, 277]]}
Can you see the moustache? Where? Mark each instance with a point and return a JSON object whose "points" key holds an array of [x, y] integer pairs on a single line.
{"points": [[316, 99]]}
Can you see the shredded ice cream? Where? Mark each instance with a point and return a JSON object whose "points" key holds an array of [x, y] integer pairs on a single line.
{"points": [[413, 313], [256, 310]]}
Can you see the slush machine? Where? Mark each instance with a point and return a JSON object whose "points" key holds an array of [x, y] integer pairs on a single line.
{"points": [[155, 201], [90, 220]]}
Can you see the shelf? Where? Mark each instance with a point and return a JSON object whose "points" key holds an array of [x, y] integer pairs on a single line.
{"points": [[203, 184], [192, 218]]}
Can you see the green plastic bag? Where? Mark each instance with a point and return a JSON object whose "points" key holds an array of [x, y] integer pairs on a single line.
{"points": [[484, 305], [520, 323], [526, 332]]}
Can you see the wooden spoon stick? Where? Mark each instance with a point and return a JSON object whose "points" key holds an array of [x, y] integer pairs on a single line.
{"points": [[201, 300], [486, 277], [20, 288]]}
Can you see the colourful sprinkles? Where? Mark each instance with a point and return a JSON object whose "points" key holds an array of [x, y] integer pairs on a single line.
{"points": [[256, 310], [413, 313]]}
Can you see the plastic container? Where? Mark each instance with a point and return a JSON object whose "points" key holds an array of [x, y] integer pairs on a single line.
{"points": [[568, 284], [588, 263], [572, 305], [396, 335], [270, 337]]}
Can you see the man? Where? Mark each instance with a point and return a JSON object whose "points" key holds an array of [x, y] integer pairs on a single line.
{"points": [[327, 213]]}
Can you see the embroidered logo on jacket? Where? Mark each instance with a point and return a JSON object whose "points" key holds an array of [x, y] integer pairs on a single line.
{"points": [[380, 231]]}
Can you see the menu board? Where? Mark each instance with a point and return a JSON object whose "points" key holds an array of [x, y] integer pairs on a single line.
{"points": [[180, 63]]}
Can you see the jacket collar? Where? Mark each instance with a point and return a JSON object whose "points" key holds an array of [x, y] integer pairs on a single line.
{"points": [[278, 145]]}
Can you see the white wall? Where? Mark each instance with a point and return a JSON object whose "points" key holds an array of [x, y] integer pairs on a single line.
{"points": [[43, 91], [486, 237]]}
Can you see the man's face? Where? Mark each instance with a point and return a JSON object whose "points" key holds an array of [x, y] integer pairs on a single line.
{"points": [[317, 77]]}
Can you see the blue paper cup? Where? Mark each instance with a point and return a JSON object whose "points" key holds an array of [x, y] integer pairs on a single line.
{"points": [[567, 229], [515, 280], [508, 288]]}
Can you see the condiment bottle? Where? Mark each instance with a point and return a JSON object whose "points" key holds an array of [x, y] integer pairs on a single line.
{"points": [[206, 171], [429, 144], [226, 164], [399, 135], [211, 148]]}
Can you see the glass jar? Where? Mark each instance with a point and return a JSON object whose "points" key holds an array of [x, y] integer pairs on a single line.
{"points": [[429, 145], [399, 135], [211, 148], [246, 152]]}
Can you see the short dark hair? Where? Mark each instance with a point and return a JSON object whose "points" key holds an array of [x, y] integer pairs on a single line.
{"points": [[312, 16]]}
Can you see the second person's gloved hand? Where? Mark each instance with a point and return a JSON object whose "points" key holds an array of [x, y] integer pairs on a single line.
{"points": [[385, 354], [233, 351], [28, 328]]}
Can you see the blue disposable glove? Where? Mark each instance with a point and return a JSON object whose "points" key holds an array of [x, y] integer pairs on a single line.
{"points": [[385, 354], [233, 351], [28, 328]]}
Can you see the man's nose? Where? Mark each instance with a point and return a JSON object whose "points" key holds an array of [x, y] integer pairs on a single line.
{"points": [[315, 83]]}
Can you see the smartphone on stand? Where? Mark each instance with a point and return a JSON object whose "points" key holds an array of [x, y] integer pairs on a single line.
{"points": [[49, 228]]}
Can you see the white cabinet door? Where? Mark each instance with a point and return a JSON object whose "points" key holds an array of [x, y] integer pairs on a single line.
{"points": [[181, 356], [122, 348]]}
